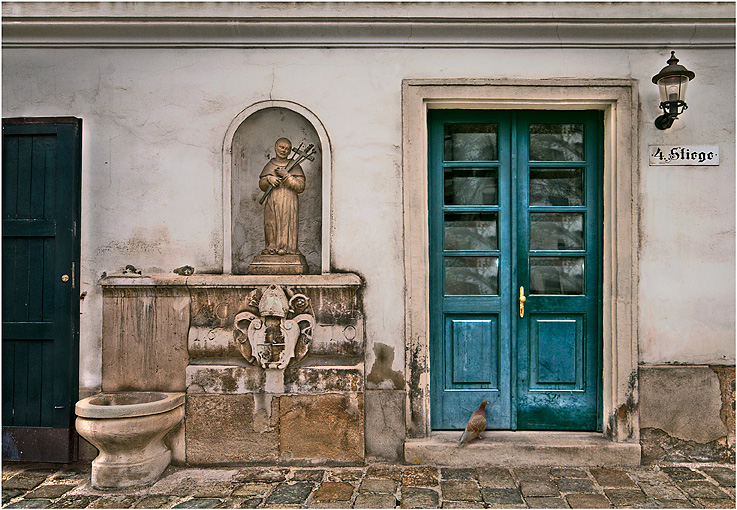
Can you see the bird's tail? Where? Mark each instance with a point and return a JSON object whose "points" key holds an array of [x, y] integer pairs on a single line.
{"points": [[463, 438]]}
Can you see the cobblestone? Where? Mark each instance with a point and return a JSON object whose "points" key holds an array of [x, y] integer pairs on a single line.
{"points": [[24, 481], [625, 497], [702, 489], [389, 472], [367, 500], [568, 473], [114, 502], [457, 473], [290, 494], [576, 485], [420, 476], [528, 474], [199, 503], [252, 489], [607, 477], [716, 503], [418, 497], [662, 491], [153, 502], [330, 492], [502, 497], [251, 503], [682, 473], [546, 503], [588, 501], [30, 503], [308, 475], [378, 485], [495, 477], [538, 488], [723, 476], [460, 490], [381, 486]]}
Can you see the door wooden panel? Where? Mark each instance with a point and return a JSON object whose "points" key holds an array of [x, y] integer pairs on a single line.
{"points": [[41, 206], [556, 343], [475, 343], [515, 207]]}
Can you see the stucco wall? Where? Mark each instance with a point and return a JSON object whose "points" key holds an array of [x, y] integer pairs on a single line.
{"points": [[155, 120]]}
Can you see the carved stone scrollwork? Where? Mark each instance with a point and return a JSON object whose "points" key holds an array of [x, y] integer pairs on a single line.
{"points": [[276, 333]]}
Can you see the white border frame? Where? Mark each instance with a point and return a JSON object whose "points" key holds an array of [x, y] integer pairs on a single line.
{"points": [[326, 169], [619, 101]]}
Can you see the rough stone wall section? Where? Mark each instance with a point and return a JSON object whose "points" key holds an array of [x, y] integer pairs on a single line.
{"points": [[726, 376], [687, 413]]}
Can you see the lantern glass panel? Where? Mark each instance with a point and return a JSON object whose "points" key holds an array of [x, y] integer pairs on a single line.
{"points": [[673, 88]]}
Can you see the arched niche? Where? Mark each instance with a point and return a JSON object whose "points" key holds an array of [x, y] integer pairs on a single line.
{"points": [[248, 146]]}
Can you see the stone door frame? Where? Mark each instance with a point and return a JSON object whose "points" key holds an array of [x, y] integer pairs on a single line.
{"points": [[618, 99], [326, 170]]}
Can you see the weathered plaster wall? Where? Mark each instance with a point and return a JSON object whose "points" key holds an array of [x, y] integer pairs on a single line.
{"points": [[154, 121], [687, 228]]}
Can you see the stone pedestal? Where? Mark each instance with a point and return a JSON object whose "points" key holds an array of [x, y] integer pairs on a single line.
{"points": [[278, 264], [311, 412]]}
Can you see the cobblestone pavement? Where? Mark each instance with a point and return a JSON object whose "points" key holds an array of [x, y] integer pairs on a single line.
{"points": [[26, 485]]}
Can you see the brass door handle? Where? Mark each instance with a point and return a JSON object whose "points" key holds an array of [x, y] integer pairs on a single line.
{"points": [[522, 300]]}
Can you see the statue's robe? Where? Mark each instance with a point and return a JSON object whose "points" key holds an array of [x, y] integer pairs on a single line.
{"points": [[281, 209]]}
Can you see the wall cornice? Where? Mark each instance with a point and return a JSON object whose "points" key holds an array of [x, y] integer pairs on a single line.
{"points": [[368, 25]]}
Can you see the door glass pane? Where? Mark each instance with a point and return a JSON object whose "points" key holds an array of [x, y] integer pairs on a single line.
{"points": [[471, 186], [556, 142], [470, 142], [556, 275], [556, 186], [556, 231], [471, 275], [470, 231]]}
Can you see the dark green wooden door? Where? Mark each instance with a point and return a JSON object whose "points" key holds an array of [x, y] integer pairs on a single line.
{"points": [[515, 220], [41, 207]]}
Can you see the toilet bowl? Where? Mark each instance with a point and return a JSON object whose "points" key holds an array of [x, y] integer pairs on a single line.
{"points": [[128, 429]]}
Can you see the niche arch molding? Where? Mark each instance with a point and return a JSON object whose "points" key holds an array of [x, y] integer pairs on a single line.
{"points": [[326, 176]]}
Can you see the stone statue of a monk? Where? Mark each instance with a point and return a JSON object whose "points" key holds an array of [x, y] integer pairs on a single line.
{"points": [[281, 209]]}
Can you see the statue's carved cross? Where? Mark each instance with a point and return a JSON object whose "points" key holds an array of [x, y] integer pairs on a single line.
{"points": [[298, 157], [308, 153]]}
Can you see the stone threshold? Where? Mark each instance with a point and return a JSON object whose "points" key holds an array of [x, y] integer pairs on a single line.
{"points": [[522, 448]]}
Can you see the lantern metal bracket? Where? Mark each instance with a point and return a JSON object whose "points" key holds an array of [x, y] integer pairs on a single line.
{"points": [[671, 111]]}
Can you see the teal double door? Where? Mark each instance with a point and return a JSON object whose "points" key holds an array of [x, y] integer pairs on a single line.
{"points": [[515, 224]]}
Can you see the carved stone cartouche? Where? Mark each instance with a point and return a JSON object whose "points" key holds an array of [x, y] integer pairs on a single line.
{"points": [[281, 331]]}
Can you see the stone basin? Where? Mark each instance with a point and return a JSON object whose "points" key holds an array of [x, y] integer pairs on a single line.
{"points": [[128, 404]]}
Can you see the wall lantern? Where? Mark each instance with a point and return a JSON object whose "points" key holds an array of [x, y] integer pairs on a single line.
{"points": [[672, 81]]}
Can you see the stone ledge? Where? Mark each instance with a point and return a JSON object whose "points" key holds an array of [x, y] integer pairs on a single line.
{"points": [[229, 280], [524, 448], [215, 379]]}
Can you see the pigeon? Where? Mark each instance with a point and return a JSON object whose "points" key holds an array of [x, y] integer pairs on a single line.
{"points": [[476, 424]]}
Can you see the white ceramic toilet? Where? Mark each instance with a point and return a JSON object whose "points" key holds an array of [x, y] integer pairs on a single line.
{"points": [[128, 429]]}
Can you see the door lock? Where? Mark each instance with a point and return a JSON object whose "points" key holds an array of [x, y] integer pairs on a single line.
{"points": [[522, 300], [65, 278]]}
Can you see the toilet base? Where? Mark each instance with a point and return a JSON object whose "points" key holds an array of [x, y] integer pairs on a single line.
{"points": [[117, 476]]}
